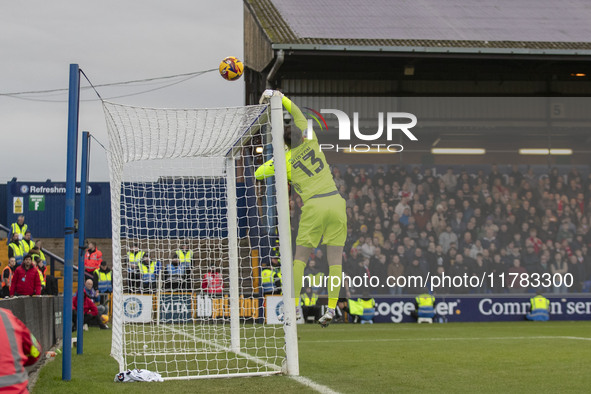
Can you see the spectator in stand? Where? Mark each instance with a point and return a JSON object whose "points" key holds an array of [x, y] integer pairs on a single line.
{"points": [[94, 295], [458, 226], [19, 228], [531, 260], [395, 270], [497, 268], [378, 267], [92, 259], [25, 281], [21, 349], [450, 180], [316, 276], [559, 267], [414, 271], [212, 282], [513, 279], [91, 312], [577, 269], [502, 212], [439, 260], [47, 281], [103, 278], [480, 269], [309, 305], [422, 217], [459, 269], [26, 243], [148, 271], [438, 220], [368, 249], [36, 262], [7, 274], [185, 255], [14, 250], [176, 274], [37, 251], [447, 238]]}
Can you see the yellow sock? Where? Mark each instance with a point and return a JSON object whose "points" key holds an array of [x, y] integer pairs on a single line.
{"points": [[298, 277], [334, 271]]}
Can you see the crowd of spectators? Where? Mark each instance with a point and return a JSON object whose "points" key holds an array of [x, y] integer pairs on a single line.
{"points": [[405, 221], [26, 272]]}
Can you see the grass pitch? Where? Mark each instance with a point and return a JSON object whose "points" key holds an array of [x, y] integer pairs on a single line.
{"points": [[454, 357]]}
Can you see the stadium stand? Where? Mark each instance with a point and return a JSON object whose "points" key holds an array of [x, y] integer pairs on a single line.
{"points": [[497, 217]]}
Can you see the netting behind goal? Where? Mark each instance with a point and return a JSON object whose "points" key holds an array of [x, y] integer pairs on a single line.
{"points": [[187, 222]]}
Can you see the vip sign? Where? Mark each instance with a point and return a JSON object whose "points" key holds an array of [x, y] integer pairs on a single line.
{"points": [[394, 122], [36, 203]]}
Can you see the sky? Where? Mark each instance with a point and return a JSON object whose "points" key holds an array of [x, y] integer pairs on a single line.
{"points": [[111, 41]]}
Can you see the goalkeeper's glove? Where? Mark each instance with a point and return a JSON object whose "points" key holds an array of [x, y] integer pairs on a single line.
{"points": [[267, 94]]}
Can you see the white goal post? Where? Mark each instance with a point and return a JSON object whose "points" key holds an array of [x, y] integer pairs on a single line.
{"points": [[191, 227]]}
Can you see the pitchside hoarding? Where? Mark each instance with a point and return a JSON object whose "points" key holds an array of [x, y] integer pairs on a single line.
{"points": [[461, 309], [482, 308]]}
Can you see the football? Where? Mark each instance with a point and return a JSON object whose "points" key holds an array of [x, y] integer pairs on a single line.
{"points": [[104, 319], [231, 68]]}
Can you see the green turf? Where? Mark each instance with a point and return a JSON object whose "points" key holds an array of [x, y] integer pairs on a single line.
{"points": [[460, 357], [189, 347]]}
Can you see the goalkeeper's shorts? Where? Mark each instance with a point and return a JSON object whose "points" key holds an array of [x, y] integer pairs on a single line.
{"points": [[323, 218]]}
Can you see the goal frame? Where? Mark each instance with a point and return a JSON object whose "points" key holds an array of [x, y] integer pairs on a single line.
{"points": [[291, 364]]}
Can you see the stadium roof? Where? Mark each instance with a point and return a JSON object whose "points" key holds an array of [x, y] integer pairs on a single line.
{"points": [[548, 27]]}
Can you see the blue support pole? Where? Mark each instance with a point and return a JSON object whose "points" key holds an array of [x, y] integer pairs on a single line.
{"points": [[73, 106], [81, 241]]}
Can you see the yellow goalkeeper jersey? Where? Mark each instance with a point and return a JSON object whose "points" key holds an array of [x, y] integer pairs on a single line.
{"points": [[307, 169]]}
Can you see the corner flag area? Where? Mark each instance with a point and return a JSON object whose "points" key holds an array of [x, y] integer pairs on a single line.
{"points": [[347, 358]]}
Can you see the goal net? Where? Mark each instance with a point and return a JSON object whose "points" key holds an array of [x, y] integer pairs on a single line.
{"points": [[191, 228]]}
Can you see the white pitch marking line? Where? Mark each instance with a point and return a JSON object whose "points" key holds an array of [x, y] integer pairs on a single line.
{"points": [[313, 385], [449, 339], [300, 379]]}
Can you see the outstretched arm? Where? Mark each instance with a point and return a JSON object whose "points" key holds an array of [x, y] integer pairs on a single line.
{"points": [[298, 117], [268, 168]]}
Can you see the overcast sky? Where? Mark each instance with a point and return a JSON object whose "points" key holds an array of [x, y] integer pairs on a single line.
{"points": [[112, 41]]}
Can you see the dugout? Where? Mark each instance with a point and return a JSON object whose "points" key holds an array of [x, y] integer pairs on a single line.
{"points": [[367, 57]]}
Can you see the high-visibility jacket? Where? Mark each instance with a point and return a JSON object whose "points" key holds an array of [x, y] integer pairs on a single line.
{"points": [[184, 257], [316, 280], [9, 280], [309, 301], [41, 256], [19, 349], [148, 272], [135, 257], [361, 307], [425, 300], [17, 252], [213, 283], [105, 280], [20, 230], [41, 277], [92, 260], [539, 302], [425, 303], [26, 246], [268, 280]]}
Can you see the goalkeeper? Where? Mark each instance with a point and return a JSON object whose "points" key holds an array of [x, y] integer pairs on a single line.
{"points": [[324, 215]]}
